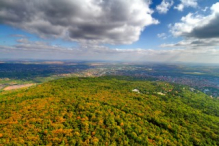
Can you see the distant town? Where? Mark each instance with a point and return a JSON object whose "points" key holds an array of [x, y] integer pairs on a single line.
{"points": [[200, 77]]}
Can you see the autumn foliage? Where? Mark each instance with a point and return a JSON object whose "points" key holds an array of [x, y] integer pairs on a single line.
{"points": [[105, 111]]}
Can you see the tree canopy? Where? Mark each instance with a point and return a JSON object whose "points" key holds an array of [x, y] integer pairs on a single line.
{"points": [[106, 111]]}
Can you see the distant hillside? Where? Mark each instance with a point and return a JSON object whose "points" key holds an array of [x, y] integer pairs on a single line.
{"points": [[108, 111]]}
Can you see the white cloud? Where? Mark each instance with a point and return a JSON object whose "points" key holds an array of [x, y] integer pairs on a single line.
{"points": [[23, 40], [198, 26], [164, 7], [205, 9], [97, 21], [162, 35], [186, 3], [18, 36], [41, 50], [194, 43], [200, 37]]}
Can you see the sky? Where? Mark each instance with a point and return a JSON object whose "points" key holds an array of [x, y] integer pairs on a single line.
{"points": [[110, 30]]}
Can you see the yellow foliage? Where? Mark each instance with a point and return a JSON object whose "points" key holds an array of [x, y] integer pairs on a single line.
{"points": [[95, 140], [93, 133], [77, 133]]}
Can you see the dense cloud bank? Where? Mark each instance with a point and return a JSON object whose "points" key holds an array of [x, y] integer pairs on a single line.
{"points": [[97, 21], [198, 26]]}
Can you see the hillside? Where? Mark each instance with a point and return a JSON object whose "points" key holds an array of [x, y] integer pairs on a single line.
{"points": [[108, 111]]}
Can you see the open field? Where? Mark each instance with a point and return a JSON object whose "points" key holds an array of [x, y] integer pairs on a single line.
{"points": [[14, 87]]}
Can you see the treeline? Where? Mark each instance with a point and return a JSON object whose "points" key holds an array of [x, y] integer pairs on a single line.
{"points": [[31, 71]]}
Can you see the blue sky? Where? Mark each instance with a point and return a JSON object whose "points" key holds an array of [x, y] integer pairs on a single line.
{"points": [[120, 30]]}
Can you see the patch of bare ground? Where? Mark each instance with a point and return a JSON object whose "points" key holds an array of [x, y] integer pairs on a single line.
{"points": [[13, 87]]}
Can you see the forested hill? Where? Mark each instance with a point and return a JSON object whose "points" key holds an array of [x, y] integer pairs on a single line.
{"points": [[108, 111]]}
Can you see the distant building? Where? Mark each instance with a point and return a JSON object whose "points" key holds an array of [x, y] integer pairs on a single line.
{"points": [[160, 93], [136, 90], [192, 89], [206, 90]]}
